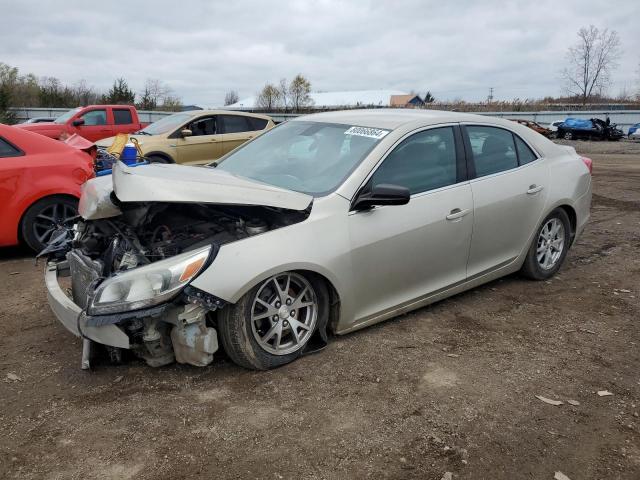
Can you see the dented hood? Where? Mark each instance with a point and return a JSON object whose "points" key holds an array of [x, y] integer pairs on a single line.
{"points": [[181, 184]]}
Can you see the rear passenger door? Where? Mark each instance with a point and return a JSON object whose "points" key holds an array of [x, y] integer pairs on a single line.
{"points": [[123, 121], [509, 195], [236, 129]]}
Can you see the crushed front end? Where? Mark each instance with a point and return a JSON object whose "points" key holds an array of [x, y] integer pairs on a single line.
{"points": [[124, 282]]}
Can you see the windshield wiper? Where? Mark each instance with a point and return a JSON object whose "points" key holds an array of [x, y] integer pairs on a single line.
{"points": [[141, 132]]}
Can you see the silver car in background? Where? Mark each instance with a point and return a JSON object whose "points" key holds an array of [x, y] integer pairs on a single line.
{"points": [[327, 223]]}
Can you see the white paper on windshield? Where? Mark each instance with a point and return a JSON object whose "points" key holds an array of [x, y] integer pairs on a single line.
{"points": [[376, 133]]}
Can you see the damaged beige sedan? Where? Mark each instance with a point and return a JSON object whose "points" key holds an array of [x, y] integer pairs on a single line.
{"points": [[327, 223]]}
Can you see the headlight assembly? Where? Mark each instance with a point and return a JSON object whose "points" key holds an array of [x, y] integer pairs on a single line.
{"points": [[147, 286]]}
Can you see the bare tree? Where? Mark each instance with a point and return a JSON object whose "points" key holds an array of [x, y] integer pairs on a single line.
{"points": [[591, 62], [171, 103], [154, 94], [299, 93], [84, 94], [231, 97], [638, 83], [283, 90], [268, 98]]}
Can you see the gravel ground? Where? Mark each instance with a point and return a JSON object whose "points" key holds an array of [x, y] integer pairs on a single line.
{"points": [[448, 388]]}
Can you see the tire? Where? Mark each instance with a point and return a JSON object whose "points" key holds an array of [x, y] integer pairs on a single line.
{"points": [[568, 136], [158, 159], [243, 324], [45, 216], [543, 261]]}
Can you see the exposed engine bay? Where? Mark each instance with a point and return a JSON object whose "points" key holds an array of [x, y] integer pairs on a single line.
{"points": [[148, 232], [182, 328]]}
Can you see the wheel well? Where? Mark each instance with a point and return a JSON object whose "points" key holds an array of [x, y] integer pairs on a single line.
{"points": [[161, 155], [63, 195], [334, 298], [573, 219]]}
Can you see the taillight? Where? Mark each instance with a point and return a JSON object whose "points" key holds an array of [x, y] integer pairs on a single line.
{"points": [[589, 163]]}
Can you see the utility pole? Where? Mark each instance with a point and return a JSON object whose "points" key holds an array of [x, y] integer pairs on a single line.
{"points": [[490, 97]]}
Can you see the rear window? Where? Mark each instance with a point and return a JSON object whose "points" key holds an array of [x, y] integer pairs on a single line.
{"points": [[122, 116], [525, 154], [235, 124], [8, 150], [257, 123]]}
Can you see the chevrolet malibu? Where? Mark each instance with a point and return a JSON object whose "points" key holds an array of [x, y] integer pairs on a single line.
{"points": [[327, 223]]}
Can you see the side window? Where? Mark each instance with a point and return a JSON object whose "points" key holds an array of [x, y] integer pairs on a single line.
{"points": [[424, 161], [493, 149], [257, 123], [525, 154], [8, 150], [122, 116], [235, 124], [95, 117], [204, 126]]}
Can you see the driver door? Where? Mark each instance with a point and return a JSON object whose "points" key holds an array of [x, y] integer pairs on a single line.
{"points": [[204, 144], [401, 254], [96, 125]]}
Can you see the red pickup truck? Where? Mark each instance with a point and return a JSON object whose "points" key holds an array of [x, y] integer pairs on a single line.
{"points": [[93, 122]]}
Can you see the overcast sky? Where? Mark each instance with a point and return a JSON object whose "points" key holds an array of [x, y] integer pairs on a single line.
{"points": [[456, 49]]}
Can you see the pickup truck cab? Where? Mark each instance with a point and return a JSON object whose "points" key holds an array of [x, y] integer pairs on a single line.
{"points": [[93, 122]]}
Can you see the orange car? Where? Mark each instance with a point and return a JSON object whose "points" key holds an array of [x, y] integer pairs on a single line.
{"points": [[534, 126]]}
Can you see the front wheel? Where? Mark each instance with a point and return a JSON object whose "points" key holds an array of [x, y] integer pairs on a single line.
{"points": [[45, 217], [568, 136], [272, 323], [549, 247]]}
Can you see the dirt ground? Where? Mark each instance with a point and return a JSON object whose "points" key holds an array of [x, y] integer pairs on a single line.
{"points": [[448, 388]]}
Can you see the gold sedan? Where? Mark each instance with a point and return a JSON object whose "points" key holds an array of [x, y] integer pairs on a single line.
{"points": [[197, 137]]}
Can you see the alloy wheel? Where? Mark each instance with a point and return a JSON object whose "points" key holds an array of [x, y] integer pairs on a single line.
{"points": [[550, 244], [284, 312], [51, 218]]}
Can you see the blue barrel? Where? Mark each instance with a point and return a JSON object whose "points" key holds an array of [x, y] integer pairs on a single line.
{"points": [[129, 154]]}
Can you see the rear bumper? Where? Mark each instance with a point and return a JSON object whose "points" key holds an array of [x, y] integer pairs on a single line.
{"points": [[72, 316], [583, 211]]}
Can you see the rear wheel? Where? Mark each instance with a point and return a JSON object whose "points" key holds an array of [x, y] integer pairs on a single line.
{"points": [[158, 159], [568, 136], [549, 247], [45, 217], [271, 324]]}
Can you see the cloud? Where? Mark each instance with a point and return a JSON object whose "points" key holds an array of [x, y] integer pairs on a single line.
{"points": [[202, 49]]}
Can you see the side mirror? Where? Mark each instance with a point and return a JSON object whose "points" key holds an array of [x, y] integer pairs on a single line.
{"points": [[78, 122], [382, 194], [185, 132]]}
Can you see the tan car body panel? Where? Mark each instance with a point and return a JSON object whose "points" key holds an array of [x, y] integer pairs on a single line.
{"points": [[197, 149]]}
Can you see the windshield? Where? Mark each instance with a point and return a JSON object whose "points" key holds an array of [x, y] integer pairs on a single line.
{"points": [[66, 116], [166, 124], [309, 157]]}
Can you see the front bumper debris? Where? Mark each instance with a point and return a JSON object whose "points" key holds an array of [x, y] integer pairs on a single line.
{"points": [[73, 317], [166, 333]]}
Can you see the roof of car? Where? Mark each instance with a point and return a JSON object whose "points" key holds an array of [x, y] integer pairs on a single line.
{"points": [[198, 113], [390, 118]]}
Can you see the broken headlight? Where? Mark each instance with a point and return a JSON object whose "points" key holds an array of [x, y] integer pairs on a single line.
{"points": [[147, 286]]}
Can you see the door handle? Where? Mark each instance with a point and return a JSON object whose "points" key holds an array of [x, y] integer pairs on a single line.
{"points": [[456, 214], [533, 189]]}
